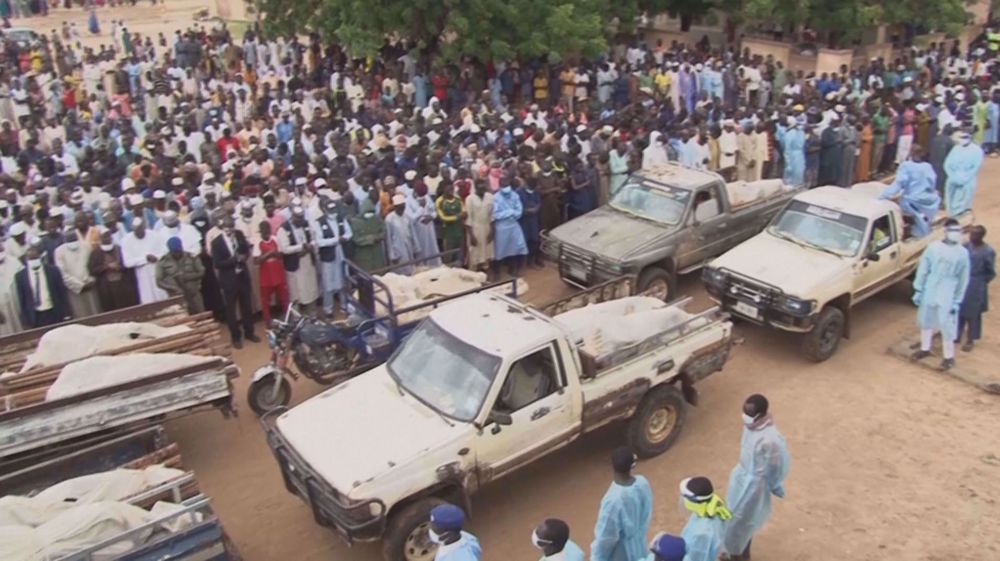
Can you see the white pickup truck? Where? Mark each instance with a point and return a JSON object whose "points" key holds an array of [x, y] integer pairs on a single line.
{"points": [[448, 412], [828, 250]]}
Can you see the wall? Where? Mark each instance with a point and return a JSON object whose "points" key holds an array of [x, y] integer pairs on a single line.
{"points": [[780, 51]]}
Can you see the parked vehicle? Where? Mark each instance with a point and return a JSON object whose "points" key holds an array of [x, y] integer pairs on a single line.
{"points": [[372, 456], [665, 221], [330, 352], [828, 250]]}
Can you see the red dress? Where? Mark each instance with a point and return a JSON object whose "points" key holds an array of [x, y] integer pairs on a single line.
{"points": [[272, 271]]}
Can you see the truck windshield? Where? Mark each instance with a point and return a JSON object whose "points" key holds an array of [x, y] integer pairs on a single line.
{"points": [[652, 202], [821, 228], [443, 372]]}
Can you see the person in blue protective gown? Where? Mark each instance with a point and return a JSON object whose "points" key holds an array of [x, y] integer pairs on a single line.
{"points": [[666, 547], [706, 527], [552, 538], [625, 513], [508, 238], [915, 192], [446, 531], [793, 150], [961, 169], [938, 291], [760, 473]]}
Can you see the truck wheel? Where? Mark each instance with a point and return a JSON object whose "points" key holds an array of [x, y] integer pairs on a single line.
{"points": [[406, 536], [262, 396], [657, 423], [822, 341], [658, 283]]}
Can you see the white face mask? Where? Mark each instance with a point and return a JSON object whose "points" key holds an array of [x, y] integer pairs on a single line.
{"points": [[369, 214], [34, 263], [954, 236], [434, 536], [107, 247], [748, 420], [537, 541]]}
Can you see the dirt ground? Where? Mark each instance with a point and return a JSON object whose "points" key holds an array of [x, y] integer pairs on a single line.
{"points": [[889, 460]]}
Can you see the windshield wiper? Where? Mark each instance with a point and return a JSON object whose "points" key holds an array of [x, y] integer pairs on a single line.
{"points": [[442, 415], [804, 242]]}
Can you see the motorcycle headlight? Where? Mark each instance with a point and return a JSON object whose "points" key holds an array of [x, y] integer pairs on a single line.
{"points": [[795, 306]]}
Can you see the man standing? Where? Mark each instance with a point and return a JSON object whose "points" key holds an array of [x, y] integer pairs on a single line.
{"points": [[330, 235], [399, 236], [531, 203], [982, 271], [938, 291], [72, 258], [451, 212], [625, 513], [115, 283], [746, 150], [271, 272], [10, 317], [295, 244], [230, 252], [453, 544], [793, 143], [961, 168], [479, 226], [552, 538], [421, 212], [179, 273], [141, 250], [40, 291], [759, 474], [706, 526], [369, 236], [508, 236]]}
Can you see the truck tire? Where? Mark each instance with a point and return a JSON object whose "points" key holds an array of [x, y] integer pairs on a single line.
{"points": [[406, 536], [822, 341], [657, 422], [658, 283], [262, 395]]}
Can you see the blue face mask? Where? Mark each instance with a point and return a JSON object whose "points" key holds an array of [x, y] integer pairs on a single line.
{"points": [[507, 189]]}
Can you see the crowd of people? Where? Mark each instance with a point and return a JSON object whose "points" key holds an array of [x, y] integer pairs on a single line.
{"points": [[240, 173], [715, 526]]}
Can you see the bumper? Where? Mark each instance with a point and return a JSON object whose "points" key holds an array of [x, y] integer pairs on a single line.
{"points": [[756, 303], [353, 520], [578, 267]]}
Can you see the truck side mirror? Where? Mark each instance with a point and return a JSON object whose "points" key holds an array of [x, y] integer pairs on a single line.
{"points": [[501, 418], [872, 256]]}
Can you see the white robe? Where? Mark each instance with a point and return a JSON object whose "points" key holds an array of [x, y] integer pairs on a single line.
{"points": [[424, 234], [134, 252], [76, 275], [303, 285], [8, 297], [189, 235]]}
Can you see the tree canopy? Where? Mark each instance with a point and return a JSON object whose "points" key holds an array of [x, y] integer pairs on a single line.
{"points": [[569, 28]]}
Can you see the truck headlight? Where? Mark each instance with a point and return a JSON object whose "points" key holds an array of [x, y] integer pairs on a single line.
{"points": [[713, 277], [795, 306]]}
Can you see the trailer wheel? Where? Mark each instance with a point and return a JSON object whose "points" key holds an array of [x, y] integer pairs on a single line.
{"points": [[658, 283], [262, 396], [406, 537], [822, 341], [657, 422]]}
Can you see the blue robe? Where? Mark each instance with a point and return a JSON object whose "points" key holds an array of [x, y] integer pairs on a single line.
{"points": [[685, 83], [703, 538], [793, 149], [939, 288], [622, 522], [961, 169], [916, 181], [993, 118], [570, 552], [508, 240], [760, 473], [465, 549]]}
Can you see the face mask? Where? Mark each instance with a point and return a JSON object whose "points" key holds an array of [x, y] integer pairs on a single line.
{"points": [[747, 419], [539, 542], [34, 263], [107, 247], [953, 236], [507, 189], [434, 536], [369, 214]]}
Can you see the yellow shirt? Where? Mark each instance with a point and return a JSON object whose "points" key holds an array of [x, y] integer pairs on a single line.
{"points": [[662, 82], [541, 87]]}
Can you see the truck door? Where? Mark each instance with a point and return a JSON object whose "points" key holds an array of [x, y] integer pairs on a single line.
{"points": [[709, 226], [531, 415], [878, 263]]}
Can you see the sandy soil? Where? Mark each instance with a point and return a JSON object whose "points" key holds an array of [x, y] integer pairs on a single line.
{"points": [[889, 460]]}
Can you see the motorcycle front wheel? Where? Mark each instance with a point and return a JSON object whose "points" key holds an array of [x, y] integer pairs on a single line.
{"points": [[263, 395]]}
